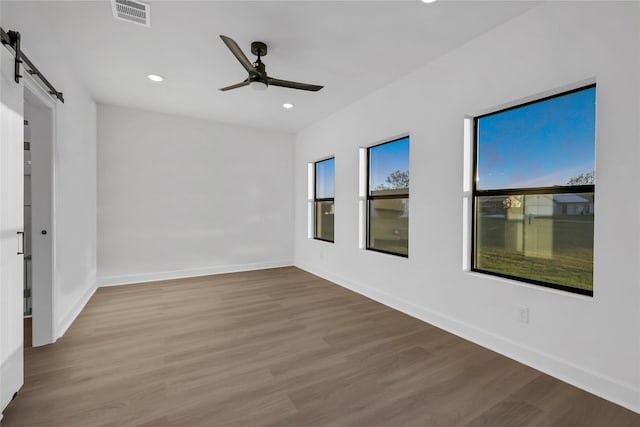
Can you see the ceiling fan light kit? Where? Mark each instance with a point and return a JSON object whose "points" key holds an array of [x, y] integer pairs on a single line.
{"points": [[258, 85], [258, 78]]}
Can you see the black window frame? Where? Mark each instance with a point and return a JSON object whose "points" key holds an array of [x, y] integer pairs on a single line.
{"points": [[394, 196], [325, 199], [560, 189]]}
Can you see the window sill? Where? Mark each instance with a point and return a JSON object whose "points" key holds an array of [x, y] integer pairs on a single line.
{"points": [[511, 282]]}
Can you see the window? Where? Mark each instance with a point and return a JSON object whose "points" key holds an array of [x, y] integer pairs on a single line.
{"points": [[388, 197], [323, 199], [533, 192]]}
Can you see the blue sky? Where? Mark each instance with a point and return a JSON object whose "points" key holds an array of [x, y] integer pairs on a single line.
{"points": [[538, 145], [325, 179], [387, 158]]}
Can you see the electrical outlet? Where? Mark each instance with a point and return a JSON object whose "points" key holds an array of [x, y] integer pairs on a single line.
{"points": [[523, 314]]}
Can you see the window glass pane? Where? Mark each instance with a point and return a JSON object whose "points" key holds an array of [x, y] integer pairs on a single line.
{"points": [[545, 237], [389, 225], [325, 179], [325, 213], [389, 168], [547, 143]]}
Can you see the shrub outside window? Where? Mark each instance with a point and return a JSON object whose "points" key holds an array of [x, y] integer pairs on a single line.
{"points": [[324, 202], [533, 193], [388, 197]]}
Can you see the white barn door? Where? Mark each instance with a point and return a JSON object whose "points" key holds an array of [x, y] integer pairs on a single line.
{"points": [[11, 230]]}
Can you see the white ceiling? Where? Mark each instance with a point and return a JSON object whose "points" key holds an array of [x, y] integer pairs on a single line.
{"points": [[351, 47]]}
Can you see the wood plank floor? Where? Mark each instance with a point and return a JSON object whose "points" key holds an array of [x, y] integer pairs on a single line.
{"points": [[27, 331], [279, 347]]}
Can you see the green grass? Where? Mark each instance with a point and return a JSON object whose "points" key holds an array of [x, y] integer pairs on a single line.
{"points": [[568, 267], [395, 247], [567, 242]]}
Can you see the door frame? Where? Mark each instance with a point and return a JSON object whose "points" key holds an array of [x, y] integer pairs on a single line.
{"points": [[44, 286]]}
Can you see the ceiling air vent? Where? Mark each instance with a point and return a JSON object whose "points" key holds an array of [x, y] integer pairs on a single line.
{"points": [[132, 11]]}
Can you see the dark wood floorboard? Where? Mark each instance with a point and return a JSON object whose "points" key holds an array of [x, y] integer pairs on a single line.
{"points": [[28, 331], [279, 347]]}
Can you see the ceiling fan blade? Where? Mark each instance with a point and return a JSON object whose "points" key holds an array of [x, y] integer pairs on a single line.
{"points": [[238, 53], [235, 86], [293, 85]]}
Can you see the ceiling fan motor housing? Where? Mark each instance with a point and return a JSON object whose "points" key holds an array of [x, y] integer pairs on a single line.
{"points": [[259, 73]]}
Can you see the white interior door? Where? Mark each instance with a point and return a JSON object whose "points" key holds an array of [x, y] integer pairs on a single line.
{"points": [[11, 229]]}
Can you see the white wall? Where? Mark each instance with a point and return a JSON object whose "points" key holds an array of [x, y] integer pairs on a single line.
{"points": [[591, 342], [185, 197], [74, 228], [75, 197]]}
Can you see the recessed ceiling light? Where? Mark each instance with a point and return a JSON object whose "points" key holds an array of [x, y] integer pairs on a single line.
{"points": [[155, 78], [287, 106], [428, 1]]}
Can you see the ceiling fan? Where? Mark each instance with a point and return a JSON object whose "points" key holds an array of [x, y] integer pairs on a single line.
{"points": [[258, 78]]}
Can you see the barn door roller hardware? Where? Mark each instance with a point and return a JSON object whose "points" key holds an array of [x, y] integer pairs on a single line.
{"points": [[11, 40]]}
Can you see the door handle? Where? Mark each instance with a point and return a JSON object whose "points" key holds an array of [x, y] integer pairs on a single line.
{"points": [[20, 242]]}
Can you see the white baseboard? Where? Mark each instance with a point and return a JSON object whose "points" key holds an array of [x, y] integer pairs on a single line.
{"points": [[128, 279], [71, 315], [608, 388]]}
